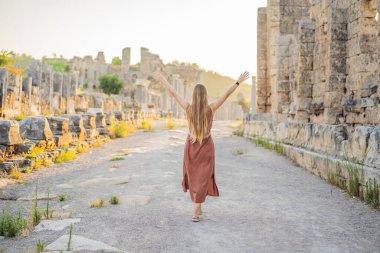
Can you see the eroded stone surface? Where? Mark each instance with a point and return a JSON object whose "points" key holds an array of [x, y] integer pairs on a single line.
{"points": [[35, 128], [80, 243], [9, 132], [104, 181], [40, 196], [134, 200], [55, 225]]}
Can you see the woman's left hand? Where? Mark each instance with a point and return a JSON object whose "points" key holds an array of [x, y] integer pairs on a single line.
{"points": [[243, 77]]}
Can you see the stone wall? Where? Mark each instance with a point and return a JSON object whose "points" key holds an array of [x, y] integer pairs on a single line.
{"points": [[317, 82]]}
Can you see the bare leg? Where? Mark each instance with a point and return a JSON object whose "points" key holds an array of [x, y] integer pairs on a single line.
{"points": [[197, 208]]}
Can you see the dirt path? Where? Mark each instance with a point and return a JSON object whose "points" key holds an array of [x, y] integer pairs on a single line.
{"points": [[267, 204]]}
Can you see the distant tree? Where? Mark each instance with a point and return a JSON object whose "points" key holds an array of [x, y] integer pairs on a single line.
{"points": [[22, 60], [59, 65], [116, 61], [110, 84], [6, 58]]}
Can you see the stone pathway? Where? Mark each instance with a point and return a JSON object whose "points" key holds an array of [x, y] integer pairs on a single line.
{"points": [[266, 203]]}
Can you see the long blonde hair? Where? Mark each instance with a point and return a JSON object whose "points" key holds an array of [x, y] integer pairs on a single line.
{"points": [[197, 114]]}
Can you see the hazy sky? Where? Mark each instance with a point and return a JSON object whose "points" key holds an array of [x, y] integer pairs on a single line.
{"points": [[218, 35]]}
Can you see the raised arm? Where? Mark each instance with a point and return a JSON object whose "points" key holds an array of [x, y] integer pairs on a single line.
{"points": [[217, 103], [161, 79]]}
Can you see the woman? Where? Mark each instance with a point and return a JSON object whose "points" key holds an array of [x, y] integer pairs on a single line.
{"points": [[199, 152]]}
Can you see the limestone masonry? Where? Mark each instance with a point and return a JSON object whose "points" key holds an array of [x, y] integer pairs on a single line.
{"points": [[317, 83]]}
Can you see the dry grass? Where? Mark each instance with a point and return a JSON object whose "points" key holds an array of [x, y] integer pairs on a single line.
{"points": [[15, 173], [97, 203]]}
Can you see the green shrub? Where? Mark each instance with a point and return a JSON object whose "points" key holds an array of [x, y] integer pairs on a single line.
{"points": [[239, 132], [114, 200], [61, 197], [10, 224]]}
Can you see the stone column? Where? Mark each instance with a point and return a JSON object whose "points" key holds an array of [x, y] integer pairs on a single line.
{"points": [[27, 88], [3, 89], [262, 81], [253, 95], [126, 59], [336, 66]]}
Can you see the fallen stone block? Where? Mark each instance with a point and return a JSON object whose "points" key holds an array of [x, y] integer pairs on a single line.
{"points": [[89, 123], [23, 148], [5, 168], [60, 129], [110, 118], [119, 115], [100, 120], [76, 127], [9, 132], [36, 128], [19, 161]]}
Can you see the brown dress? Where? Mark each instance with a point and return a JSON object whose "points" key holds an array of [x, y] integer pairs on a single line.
{"points": [[199, 166]]}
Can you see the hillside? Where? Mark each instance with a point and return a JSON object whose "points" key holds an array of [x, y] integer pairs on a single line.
{"points": [[217, 84]]}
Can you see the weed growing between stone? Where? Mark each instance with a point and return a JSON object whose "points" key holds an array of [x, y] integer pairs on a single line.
{"points": [[114, 200], [336, 178], [61, 197], [48, 213], [239, 132], [117, 158], [70, 234], [371, 196], [239, 151], [40, 246], [262, 142], [35, 213]]}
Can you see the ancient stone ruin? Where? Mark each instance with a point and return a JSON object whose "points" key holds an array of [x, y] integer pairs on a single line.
{"points": [[317, 83]]}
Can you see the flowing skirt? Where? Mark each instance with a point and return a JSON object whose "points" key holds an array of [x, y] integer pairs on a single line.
{"points": [[199, 170]]}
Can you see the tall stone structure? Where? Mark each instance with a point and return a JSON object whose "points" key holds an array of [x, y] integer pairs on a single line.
{"points": [[125, 59], [317, 82]]}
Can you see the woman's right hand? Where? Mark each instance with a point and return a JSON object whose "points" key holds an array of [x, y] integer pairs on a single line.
{"points": [[159, 77], [243, 77]]}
